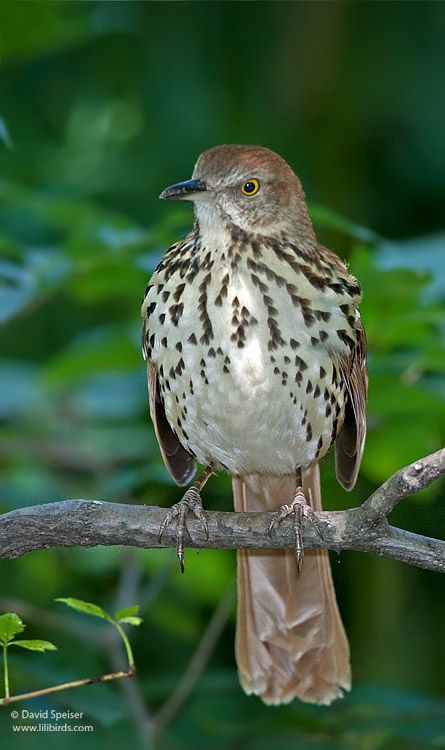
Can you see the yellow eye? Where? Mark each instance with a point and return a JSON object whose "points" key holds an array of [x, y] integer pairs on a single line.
{"points": [[250, 187]]}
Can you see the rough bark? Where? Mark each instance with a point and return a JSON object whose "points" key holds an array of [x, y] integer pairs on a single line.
{"points": [[87, 523]]}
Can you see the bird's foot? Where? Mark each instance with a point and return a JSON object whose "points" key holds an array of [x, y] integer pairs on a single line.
{"points": [[299, 508], [178, 512]]}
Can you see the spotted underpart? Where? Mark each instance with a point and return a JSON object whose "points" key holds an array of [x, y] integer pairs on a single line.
{"points": [[245, 335], [256, 363]]}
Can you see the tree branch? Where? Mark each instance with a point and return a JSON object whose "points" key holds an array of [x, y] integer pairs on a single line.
{"points": [[87, 523]]}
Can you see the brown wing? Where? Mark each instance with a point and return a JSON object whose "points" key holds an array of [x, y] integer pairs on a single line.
{"points": [[351, 438], [179, 462]]}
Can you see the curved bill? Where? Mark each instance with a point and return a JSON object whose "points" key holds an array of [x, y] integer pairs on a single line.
{"points": [[184, 190]]}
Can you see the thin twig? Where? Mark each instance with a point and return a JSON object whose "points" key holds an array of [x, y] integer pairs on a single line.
{"points": [[197, 663], [67, 686], [128, 593], [403, 483]]}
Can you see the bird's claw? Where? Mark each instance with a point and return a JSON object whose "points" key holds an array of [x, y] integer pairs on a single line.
{"points": [[178, 512], [300, 509]]}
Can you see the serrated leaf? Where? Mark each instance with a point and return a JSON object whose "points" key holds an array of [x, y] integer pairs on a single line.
{"points": [[126, 612], [10, 625], [89, 608], [131, 620], [35, 645]]}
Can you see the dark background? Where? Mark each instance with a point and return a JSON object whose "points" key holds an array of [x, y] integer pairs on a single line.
{"points": [[103, 104]]}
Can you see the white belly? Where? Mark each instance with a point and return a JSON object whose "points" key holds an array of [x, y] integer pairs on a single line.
{"points": [[249, 408], [246, 419]]}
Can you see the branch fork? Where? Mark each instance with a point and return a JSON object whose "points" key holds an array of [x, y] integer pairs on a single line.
{"points": [[88, 523]]}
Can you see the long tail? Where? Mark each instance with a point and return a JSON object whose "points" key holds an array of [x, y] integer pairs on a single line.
{"points": [[290, 639]]}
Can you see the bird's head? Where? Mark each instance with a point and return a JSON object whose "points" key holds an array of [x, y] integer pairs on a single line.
{"points": [[248, 186]]}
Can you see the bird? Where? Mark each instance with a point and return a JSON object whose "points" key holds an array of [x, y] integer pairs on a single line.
{"points": [[256, 362]]}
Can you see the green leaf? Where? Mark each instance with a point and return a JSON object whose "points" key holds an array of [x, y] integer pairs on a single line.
{"points": [[10, 625], [126, 612], [25, 281], [35, 645], [114, 278], [46, 31], [4, 134], [87, 607], [16, 286], [329, 219], [102, 348], [131, 620]]}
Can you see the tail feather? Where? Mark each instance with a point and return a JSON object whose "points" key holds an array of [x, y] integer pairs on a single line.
{"points": [[290, 639]]}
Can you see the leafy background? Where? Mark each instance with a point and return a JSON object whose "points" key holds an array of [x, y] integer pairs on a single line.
{"points": [[102, 105]]}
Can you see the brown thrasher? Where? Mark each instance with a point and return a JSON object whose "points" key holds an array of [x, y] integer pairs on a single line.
{"points": [[256, 364]]}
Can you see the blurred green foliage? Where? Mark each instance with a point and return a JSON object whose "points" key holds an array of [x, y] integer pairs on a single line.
{"points": [[102, 105]]}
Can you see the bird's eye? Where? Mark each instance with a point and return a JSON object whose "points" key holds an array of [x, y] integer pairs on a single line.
{"points": [[250, 187]]}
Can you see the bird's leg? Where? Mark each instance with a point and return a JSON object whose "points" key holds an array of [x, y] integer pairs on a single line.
{"points": [[299, 508], [190, 502]]}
